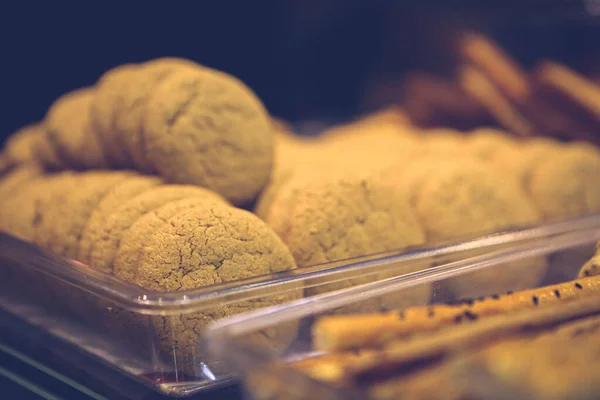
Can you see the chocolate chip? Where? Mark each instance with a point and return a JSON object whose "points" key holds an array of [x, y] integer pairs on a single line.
{"points": [[509, 292], [496, 296], [586, 272], [401, 315], [384, 309], [470, 316], [578, 286], [557, 293], [458, 319], [431, 313], [535, 299]]}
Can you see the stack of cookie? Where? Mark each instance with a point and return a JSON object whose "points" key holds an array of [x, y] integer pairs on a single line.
{"points": [[489, 86]]}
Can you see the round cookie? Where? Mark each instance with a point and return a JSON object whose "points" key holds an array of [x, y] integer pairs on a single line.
{"points": [[109, 88], [494, 146], [126, 260], [467, 199], [63, 218], [20, 211], [207, 128], [105, 249], [203, 246], [19, 147], [346, 217], [441, 141], [124, 190], [69, 130], [566, 185], [132, 103]]}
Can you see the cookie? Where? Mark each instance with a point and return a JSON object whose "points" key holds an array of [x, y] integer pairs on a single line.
{"points": [[19, 190], [68, 128], [47, 154], [581, 91], [114, 225], [109, 88], [132, 103], [443, 141], [124, 190], [496, 148], [467, 199], [133, 239], [497, 65], [203, 246], [565, 184], [208, 129], [479, 86], [20, 212], [63, 218], [19, 147]]}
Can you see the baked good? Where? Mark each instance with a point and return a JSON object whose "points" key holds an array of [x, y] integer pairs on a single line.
{"points": [[206, 128], [113, 226], [564, 184], [68, 128], [132, 103], [63, 217], [109, 88], [126, 262], [121, 192]]}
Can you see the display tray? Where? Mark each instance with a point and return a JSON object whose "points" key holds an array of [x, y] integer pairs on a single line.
{"points": [[159, 338], [275, 374]]}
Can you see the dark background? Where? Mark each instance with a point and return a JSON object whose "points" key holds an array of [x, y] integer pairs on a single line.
{"points": [[307, 59]]}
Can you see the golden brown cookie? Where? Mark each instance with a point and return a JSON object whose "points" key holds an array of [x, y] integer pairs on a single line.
{"points": [[497, 65], [109, 88], [497, 148], [63, 218], [443, 142], [133, 239], [479, 86], [19, 190], [68, 128], [20, 211], [105, 249], [19, 147], [467, 199], [132, 103], [207, 128], [123, 191], [565, 185]]}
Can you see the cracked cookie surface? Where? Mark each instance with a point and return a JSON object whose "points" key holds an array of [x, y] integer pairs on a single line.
{"points": [[207, 128], [134, 238], [112, 228]]}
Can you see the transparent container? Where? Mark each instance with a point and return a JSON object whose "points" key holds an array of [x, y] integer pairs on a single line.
{"points": [[157, 338], [267, 373]]}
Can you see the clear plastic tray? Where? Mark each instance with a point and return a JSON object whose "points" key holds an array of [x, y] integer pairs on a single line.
{"points": [[266, 372], [158, 338]]}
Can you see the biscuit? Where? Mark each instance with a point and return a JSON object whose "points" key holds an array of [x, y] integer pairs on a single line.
{"points": [[124, 190], [132, 103], [114, 225], [126, 259], [19, 190], [578, 89], [208, 245], [497, 65], [348, 216], [468, 199], [69, 130], [207, 128], [19, 147], [477, 85], [565, 184], [496, 148], [109, 88], [444, 142], [63, 218]]}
